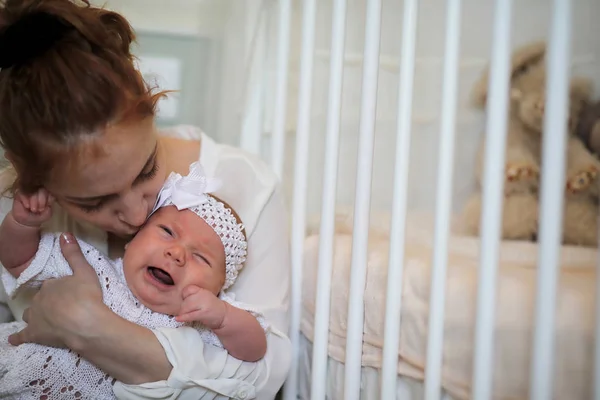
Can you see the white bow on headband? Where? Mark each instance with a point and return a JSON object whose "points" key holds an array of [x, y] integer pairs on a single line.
{"points": [[187, 191]]}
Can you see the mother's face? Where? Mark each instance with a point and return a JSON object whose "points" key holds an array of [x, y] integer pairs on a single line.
{"points": [[114, 179]]}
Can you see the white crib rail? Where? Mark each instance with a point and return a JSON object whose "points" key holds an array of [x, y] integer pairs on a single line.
{"points": [[493, 188], [360, 236], [300, 184], [433, 371], [551, 199], [552, 187], [389, 371], [321, 332]]}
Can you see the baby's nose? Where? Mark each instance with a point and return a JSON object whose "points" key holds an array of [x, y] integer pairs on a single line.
{"points": [[176, 254]]}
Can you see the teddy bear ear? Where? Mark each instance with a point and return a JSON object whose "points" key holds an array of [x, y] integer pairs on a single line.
{"points": [[521, 59]]}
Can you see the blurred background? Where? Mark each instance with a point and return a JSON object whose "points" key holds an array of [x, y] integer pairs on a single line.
{"points": [[221, 57]]}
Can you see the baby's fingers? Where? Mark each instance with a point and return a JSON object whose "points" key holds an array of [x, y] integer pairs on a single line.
{"points": [[189, 307], [24, 200], [191, 316], [44, 199], [34, 203]]}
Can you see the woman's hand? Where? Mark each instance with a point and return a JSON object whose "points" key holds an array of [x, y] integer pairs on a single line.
{"points": [[65, 309], [69, 312]]}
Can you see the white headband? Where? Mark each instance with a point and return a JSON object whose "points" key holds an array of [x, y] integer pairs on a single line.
{"points": [[191, 192]]}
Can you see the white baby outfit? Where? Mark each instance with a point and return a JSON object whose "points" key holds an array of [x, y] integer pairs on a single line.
{"points": [[32, 371]]}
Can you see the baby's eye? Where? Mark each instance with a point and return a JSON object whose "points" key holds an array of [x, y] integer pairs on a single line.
{"points": [[202, 258], [166, 230]]}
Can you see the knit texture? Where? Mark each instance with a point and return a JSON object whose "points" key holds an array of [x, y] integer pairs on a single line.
{"points": [[32, 371]]}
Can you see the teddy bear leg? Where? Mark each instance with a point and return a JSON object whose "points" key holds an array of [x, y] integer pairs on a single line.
{"points": [[580, 223], [582, 169], [521, 171], [519, 216]]}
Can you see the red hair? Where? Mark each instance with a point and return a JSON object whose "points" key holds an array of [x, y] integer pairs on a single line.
{"points": [[83, 83]]}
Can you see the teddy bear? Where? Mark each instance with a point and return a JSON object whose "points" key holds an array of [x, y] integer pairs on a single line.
{"points": [[588, 129], [523, 156]]}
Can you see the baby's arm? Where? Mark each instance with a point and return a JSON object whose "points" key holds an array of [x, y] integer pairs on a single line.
{"points": [[238, 330], [21, 229]]}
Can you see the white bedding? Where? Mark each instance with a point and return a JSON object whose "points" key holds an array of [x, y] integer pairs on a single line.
{"points": [[370, 380], [514, 313]]}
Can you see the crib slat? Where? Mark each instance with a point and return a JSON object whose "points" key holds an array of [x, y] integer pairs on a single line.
{"points": [[321, 333], [597, 341], [362, 201], [389, 372], [300, 188], [552, 198], [492, 198], [280, 107], [433, 369]]}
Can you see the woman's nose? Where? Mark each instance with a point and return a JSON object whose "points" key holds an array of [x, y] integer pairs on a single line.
{"points": [[135, 210], [177, 254]]}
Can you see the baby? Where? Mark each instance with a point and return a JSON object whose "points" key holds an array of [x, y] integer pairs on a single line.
{"points": [[174, 272]]}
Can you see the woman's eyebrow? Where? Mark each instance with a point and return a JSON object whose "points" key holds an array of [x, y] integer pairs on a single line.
{"points": [[92, 199]]}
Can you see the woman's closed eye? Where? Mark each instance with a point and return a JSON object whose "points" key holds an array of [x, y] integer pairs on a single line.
{"points": [[149, 174], [91, 208], [144, 176]]}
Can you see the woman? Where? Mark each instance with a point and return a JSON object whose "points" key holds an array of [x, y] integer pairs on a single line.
{"points": [[79, 121]]}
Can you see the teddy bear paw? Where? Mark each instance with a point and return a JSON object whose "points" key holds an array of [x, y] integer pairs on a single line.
{"points": [[582, 180], [521, 172]]}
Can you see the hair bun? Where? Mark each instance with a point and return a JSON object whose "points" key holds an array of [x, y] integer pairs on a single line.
{"points": [[29, 37]]}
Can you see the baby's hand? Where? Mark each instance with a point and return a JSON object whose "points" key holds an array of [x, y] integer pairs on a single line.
{"points": [[202, 306], [32, 210]]}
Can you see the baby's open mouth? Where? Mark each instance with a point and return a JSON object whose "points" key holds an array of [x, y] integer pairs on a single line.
{"points": [[161, 275]]}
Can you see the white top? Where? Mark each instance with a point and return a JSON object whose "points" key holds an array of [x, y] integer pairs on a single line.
{"points": [[252, 189], [21, 365]]}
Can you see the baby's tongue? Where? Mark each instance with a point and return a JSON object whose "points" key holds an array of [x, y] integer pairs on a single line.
{"points": [[161, 275]]}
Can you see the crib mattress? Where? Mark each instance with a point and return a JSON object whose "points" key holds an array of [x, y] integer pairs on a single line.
{"points": [[370, 380], [516, 283]]}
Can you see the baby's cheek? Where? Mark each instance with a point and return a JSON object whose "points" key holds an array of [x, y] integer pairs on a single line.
{"points": [[207, 280]]}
